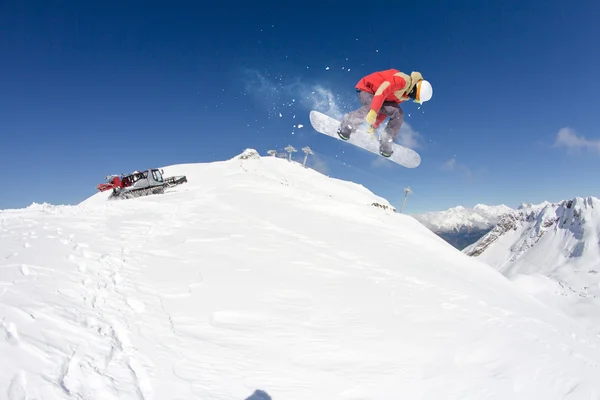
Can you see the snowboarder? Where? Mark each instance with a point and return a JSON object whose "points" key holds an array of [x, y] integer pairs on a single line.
{"points": [[380, 94]]}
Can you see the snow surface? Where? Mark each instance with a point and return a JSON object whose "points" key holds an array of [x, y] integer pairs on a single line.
{"points": [[552, 250], [262, 278], [461, 218]]}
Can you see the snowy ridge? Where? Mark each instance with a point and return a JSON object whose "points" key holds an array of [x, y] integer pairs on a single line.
{"points": [[261, 275], [554, 250], [462, 226], [534, 207], [460, 218]]}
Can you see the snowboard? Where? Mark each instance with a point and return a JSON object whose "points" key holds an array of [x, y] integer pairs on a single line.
{"points": [[328, 126]]}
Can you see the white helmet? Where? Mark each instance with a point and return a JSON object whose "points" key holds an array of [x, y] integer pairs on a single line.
{"points": [[424, 91]]}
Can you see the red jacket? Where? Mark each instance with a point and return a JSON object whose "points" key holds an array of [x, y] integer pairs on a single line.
{"points": [[388, 85]]}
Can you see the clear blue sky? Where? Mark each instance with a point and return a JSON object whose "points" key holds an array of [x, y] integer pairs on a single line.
{"points": [[89, 90]]}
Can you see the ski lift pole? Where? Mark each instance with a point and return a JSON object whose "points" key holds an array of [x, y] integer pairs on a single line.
{"points": [[407, 191]]}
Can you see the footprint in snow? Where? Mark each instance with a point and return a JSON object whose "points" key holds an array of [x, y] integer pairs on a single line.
{"points": [[136, 305], [116, 278], [82, 267], [25, 270], [11, 334], [80, 246], [17, 390]]}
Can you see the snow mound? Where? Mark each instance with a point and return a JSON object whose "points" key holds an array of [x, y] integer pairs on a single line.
{"points": [[271, 280], [248, 154], [32, 207]]}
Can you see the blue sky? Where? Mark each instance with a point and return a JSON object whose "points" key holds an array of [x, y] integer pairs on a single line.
{"points": [[89, 90]]}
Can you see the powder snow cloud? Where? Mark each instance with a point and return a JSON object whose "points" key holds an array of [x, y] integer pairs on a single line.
{"points": [[408, 136], [284, 94]]}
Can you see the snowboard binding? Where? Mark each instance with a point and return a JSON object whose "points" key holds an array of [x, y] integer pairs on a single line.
{"points": [[342, 135]]}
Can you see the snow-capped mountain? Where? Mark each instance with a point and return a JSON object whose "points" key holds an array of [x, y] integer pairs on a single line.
{"points": [[261, 276], [461, 226], [553, 251]]}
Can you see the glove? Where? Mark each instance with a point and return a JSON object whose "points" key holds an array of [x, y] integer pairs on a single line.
{"points": [[371, 116], [371, 130]]}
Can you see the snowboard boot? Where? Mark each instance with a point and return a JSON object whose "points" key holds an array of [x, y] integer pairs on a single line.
{"points": [[386, 145], [386, 150], [343, 135]]}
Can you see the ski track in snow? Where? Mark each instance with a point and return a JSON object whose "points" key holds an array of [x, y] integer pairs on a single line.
{"points": [[218, 291]]}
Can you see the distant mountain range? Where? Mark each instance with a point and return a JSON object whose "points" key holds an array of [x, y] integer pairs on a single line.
{"points": [[461, 226], [551, 250]]}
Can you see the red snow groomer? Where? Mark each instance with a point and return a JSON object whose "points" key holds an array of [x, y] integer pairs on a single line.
{"points": [[139, 183], [113, 182]]}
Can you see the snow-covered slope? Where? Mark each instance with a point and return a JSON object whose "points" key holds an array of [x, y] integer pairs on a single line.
{"points": [[461, 226], [261, 276], [552, 250]]}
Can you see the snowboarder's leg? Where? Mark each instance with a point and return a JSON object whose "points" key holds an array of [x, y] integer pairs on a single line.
{"points": [[392, 129], [354, 119]]}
